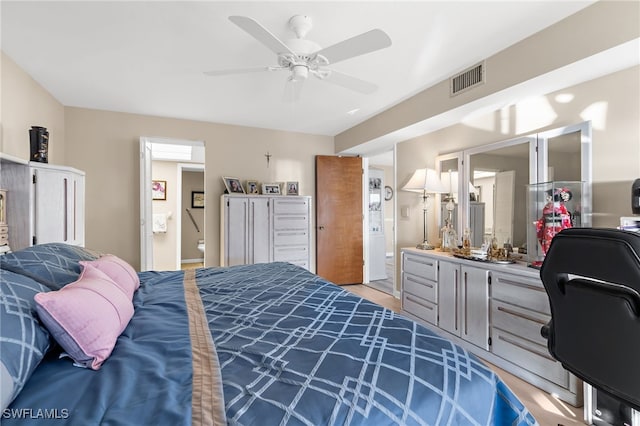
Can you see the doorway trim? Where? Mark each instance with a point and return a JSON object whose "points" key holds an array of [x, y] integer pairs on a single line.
{"points": [[146, 204]]}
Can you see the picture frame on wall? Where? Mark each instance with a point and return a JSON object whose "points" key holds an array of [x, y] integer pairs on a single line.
{"points": [[197, 199], [271, 188], [233, 185], [159, 190], [252, 187], [292, 188]]}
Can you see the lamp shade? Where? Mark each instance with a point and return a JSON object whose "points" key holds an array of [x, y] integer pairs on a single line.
{"points": [[425, 180], [450, 182]]}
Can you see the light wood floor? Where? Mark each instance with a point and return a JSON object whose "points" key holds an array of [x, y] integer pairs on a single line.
{"points": [[548, 410]]}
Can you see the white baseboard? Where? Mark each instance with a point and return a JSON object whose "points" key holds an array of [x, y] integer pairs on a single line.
{"points": [[192, 260]]}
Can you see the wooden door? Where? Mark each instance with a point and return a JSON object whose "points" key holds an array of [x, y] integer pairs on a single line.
{"points": [[339, 246]]}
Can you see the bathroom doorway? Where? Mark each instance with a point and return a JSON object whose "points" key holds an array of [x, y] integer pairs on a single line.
{"points": [[192, 246], [164, 203]]}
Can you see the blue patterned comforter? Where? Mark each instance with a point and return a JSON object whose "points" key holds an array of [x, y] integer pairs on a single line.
{"points": [[295, 349]]}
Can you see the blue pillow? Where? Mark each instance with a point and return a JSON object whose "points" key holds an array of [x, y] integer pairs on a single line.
{"points": [[23, 339], [53, 264]]}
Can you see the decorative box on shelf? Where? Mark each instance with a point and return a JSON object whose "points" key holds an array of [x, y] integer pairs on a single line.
{"points": [[552, 207]]}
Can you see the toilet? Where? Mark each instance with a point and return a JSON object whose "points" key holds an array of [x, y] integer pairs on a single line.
{"points": [[201, 245]]}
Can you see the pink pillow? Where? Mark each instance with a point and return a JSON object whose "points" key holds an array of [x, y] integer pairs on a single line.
{"points": [[86, 317], [119, 271]]}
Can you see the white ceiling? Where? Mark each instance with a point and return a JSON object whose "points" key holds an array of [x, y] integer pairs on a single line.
{"points": [[149, 57]]}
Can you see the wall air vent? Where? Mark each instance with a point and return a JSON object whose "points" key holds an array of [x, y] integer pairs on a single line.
{"points": [[467, 79]]}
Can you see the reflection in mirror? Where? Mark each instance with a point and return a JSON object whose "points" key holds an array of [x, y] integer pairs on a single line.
{"points": [[500, 176], [448, 211], [564, 157]]}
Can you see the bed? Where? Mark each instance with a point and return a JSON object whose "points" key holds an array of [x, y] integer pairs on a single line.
{"points": [[265, 344]]}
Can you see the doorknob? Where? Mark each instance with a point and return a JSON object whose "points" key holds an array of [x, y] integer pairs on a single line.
{"points": [[321, 228]]}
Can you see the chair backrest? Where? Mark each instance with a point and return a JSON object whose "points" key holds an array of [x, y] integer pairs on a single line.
{"points": [[592, 278]]}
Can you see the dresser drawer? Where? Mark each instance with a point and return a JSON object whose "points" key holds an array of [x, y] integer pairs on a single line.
{"points": [[420, 266], [529, 356], [521, 291], [291, 206], [290, 254], [287, 238], [4, 239], [420, 308], [519, 321], [421, 287], [290, 222]]}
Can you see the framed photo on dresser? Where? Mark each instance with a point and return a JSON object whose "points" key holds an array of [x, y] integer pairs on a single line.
{"points": [[271, 188]]}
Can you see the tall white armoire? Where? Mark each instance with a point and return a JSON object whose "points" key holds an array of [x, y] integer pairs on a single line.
{"points": [[262, 228]]}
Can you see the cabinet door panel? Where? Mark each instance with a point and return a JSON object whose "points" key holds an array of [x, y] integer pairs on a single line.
{"points": [[236, 232], [449, 297], [421, 266], [522, 291], [529, 356], [259, 237], [475, 303], [421, 308], [51, 196], [519, 321], [419, 286]]}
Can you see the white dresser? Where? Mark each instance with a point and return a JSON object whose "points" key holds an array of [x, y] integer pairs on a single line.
{"points": [[495, 311], [262, 228]]}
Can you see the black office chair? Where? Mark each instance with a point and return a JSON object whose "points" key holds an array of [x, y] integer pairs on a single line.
{"points": [[592, 278]]}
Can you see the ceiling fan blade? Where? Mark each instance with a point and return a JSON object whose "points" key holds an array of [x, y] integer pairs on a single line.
{"points": [[348, 82], [292, 90], [261, 34], [355, 46], [243, 70]]}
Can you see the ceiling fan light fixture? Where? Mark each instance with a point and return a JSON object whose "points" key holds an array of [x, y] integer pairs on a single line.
{"points": [[299, 73]]}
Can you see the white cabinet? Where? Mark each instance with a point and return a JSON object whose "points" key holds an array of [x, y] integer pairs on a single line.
{"points": [[246, 230], [463, 302], [57, 204], [260, 229], [495, 311]]}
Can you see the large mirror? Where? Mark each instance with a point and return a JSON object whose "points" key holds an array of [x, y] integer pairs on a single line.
{"points": [[499, 174], [495, 204]]}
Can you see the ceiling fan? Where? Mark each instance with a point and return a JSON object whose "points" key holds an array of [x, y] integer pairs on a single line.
{"points": [[302, 57]]}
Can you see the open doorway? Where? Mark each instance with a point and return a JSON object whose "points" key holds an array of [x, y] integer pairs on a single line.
{"points": [[163, 203], [381, 232]]}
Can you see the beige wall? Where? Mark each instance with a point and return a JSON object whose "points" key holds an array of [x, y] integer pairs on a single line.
{"points": [[24, 104], [105, 145]]}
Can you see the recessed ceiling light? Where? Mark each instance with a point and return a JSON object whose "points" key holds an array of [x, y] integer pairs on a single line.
{"points": [[564, 98], [353, 111]]}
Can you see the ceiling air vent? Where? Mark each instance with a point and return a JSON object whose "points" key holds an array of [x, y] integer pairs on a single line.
{"points": [[467, 79]]}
